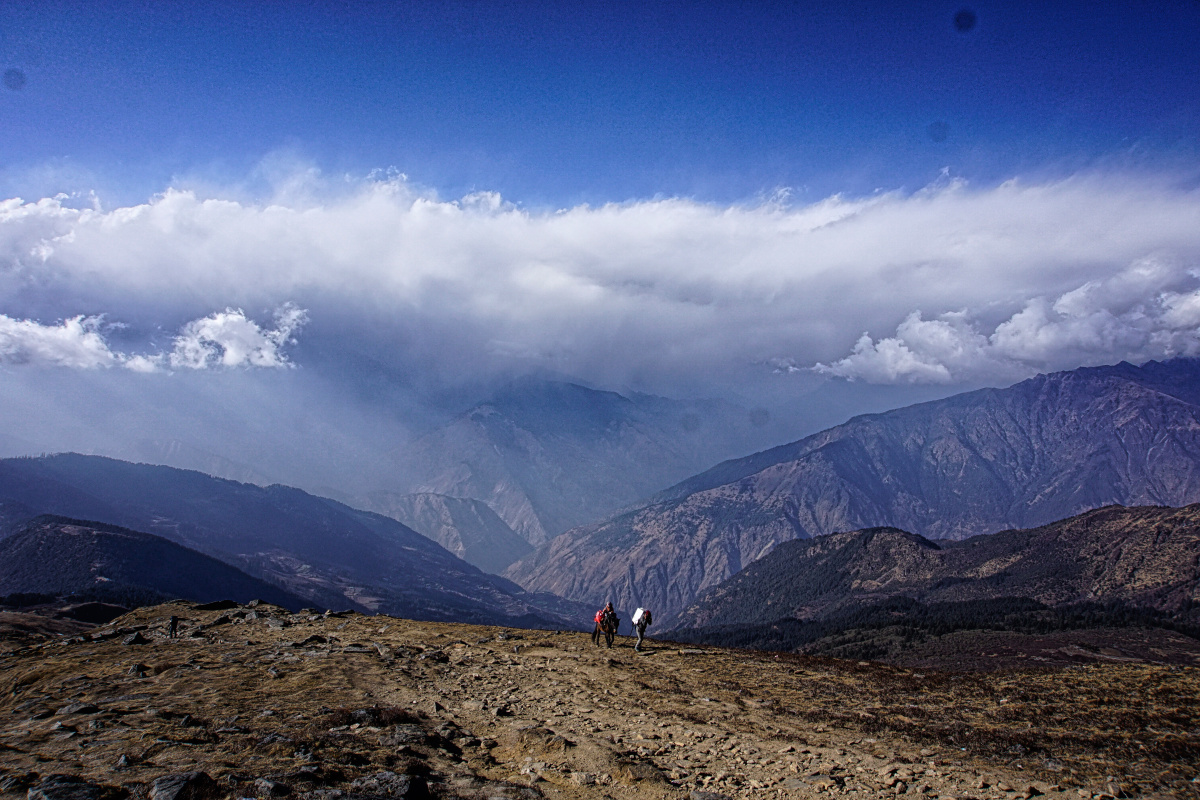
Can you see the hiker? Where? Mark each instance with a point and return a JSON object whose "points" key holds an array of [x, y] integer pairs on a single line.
{"points": [[641, 620], [606, 623], [173, 627]]}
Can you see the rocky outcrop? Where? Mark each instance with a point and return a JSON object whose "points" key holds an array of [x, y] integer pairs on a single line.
{"points": [[980, 462]]}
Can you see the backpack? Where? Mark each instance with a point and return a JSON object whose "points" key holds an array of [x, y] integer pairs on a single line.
{"points": [[637, 616]]}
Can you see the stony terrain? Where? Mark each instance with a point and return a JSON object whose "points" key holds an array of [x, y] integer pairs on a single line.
{"points": [[980, 462], [257, 701]]}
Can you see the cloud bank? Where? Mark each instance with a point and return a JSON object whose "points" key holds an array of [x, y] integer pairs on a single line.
{"points": [[951, 283]]}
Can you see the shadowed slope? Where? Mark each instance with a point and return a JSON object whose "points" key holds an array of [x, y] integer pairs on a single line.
{"points": [[57, 555]]}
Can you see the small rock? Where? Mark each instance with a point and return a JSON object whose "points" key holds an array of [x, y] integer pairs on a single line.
{"points": [[135, 638], [1004, 787], [269, 788], [184, 786], [406, 735], [583, 778], [76, 708], [699, 795], [390, 785]]}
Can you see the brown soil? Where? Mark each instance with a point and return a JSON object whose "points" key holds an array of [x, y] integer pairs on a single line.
{"points": [[272, 703]]}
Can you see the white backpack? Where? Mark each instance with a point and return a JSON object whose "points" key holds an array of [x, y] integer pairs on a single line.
{"points": [[637, 616]]}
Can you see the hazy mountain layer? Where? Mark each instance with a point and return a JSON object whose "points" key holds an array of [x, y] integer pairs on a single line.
{"points": [[1044, 449], [334, 555], [467, 528], [549, 456], [56, 555], [1146, 557]]}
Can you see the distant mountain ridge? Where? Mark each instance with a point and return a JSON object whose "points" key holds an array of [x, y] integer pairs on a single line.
{"points": [[547, 456], [58, 555], [468, 528], [332, 555], [1041, 450], [1145, 557]]}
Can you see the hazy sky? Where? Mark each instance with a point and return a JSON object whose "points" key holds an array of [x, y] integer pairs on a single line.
{"points": [[681, 197]]}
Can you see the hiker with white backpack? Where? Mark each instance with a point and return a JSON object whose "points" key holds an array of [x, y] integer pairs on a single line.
{"points": [[641, 620]]}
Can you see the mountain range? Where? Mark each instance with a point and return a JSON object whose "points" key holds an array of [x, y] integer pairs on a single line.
{"points": [[1142, 557], [1044, 449], [331, 555]]}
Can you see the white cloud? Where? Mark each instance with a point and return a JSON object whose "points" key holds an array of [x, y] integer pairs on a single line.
{"points": [[229, 339], [226, 339], [650, 293], [75, 342], [1149, 310]]}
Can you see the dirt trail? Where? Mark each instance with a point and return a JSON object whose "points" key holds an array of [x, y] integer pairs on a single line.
{"points": [[269, 703]]}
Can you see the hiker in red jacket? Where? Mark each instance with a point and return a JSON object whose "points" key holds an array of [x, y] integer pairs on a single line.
{"points": [[605, 618]]}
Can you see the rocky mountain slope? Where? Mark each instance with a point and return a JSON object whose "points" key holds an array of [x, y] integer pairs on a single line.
{"points": [[262, 703], [548, 456], [1145, 557], [332, 555], [984, 461], [467, 528], [57, 555]]}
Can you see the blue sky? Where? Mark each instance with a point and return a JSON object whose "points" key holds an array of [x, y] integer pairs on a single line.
{"points": [[217, 219], [561, 103]]}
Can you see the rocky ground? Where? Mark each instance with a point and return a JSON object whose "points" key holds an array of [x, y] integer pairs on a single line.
{"points": [[260, 702]]}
